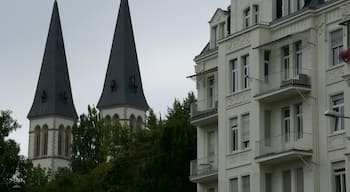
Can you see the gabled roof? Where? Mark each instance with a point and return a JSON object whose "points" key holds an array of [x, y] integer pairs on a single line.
{"points": [[217, 13], [53, 94], [123, 85]]}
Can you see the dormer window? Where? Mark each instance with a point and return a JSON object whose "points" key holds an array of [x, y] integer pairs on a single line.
{"points": [[246, 21], [214, 35], [255, 14], [222, 30]]}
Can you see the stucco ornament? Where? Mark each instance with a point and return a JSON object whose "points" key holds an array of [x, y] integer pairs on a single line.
{"points": [[238, 43]]}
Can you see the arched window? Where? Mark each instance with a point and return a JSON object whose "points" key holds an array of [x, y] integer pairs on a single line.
{"points": [[139, 122], [60, 140], [132, 123], [45, 138], [37, 141], [68, 141], [116, 119], [108, 120]]}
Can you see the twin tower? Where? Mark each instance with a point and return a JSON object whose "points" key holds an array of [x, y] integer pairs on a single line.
{"points": [[53, 112]]}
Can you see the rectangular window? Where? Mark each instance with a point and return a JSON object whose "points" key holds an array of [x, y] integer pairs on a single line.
{"points": [[256, 14], [339, 176], [221, 30], [336, 45], [337, 102], [267, 138], [246, 17], [298, 58], [285, 63], [299, 178], [211, 144], [286, 179], [234, 133], [215, 35], [268, 182], [299, 121], [234, 73], [286, 124], [246, 183], [245, 66], [234, 185], [266, 65], [211, 92], [245, 131]]}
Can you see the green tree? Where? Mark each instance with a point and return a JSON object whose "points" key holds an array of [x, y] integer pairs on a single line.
{"points": [[87, 151], [12, 165], [157, 158]]}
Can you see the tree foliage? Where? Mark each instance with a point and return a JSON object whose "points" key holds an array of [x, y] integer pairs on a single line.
{"points": [[87, 151], [12, 165], [152, 159]]}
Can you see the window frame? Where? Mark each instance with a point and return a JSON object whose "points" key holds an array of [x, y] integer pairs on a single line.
{"points": [[245, 130], [337, 126], [267, 63], [285, 62], [234, 134], [336, 46], [298, 57], [256, 12], [234, 75], [339, 171], [286, 124], [299, 127], [245, 71], [246, 17]]}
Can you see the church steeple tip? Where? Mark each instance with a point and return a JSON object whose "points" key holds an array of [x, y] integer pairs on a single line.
{"points": [[53, 94], [123, 85]]}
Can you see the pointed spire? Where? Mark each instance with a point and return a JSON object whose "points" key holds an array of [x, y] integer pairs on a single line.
{"points": [[123, 85], [53, 93]]}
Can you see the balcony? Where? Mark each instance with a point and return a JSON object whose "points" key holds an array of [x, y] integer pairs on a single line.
{"points": [[204, 111], [282, 148], [204, 169], [273, 88]]}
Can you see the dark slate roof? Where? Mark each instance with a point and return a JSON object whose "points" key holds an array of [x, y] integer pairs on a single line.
{"points": [[53, 93], [123, 85]]}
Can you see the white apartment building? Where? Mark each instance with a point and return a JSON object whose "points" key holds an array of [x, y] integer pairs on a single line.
{"points": [[265, 79]]}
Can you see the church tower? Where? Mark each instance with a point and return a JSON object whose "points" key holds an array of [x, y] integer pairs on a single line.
{"points": [[122, 100], [52, 113]]}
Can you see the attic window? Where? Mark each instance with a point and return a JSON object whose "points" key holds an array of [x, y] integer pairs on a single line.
{"points": [[133, 84], [246, 19], [65, 97], [43, 96], [255, 14], [113, 85]]}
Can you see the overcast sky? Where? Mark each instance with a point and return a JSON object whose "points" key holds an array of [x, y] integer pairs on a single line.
{"points": [[168, 34]]}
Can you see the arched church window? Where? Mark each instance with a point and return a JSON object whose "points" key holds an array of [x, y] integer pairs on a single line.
{"points": [[139, 122], [60, 140], [108, 120], [116, 119], [45, 143], [68, 141], [132, 123], [37, 141]]}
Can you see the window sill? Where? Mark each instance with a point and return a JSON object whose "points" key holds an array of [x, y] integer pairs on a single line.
{"points": [[332, 67], [239, 152], [232, 94], [337, 133]]}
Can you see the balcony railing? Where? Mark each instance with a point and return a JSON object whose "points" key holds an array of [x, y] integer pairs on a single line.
{"points": [[203, 108], [204, 166], [284, 143], [280, 85]]}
